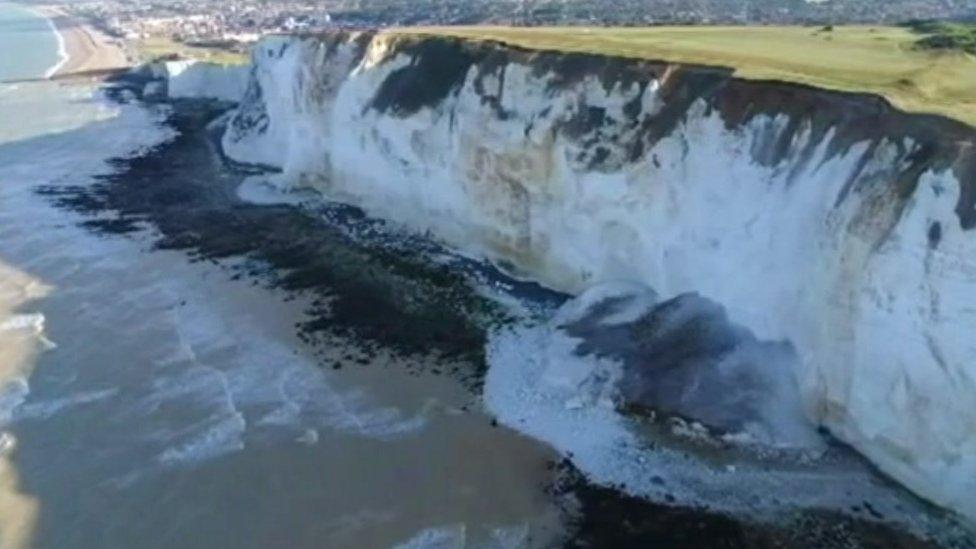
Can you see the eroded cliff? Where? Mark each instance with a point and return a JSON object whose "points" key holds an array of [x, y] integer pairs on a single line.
{"points": [[829, 221]]}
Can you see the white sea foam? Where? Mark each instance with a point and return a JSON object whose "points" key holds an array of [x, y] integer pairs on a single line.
{"points": [[33, 322], [47, 408], [307, 398], [13, 393], [211, 423], [8, 441], [444, 537], [63, 56], [310, 437], [457, 536], [220, 369], [215, 437]]}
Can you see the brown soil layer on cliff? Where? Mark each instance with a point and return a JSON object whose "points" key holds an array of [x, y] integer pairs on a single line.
{"points": [[927, 142], [876, 60]]}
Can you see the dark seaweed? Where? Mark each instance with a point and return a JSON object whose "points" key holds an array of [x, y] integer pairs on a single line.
{"points": [[606, 517], [396, 298]]}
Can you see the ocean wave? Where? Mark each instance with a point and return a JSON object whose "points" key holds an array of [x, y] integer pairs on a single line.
{"points": [[63, 56], [216, 436], [444, 537], [33, 322], [13, 393], [48, 408], [457, 536]]}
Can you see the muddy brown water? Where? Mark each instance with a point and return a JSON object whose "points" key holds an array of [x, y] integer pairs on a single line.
{"points": [[178, 406]]}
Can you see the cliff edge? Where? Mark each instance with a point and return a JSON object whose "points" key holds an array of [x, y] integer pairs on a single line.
{"points": [[829, 221]]}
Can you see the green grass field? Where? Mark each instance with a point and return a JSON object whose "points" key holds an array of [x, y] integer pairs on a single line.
{"points": [[882, 60], [156, 47]]}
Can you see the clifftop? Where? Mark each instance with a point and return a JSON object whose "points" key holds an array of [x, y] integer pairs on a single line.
{"points": [[883, 61], [441, 60]]}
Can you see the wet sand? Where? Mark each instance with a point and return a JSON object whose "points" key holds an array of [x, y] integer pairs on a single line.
{"points": [[88, 50]]}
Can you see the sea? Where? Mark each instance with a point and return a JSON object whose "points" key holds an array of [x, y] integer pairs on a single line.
{"points": [[155, 393], [148, 399], [39, 50]]}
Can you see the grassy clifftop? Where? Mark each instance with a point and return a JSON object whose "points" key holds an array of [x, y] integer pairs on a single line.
{"points": [[157, 47], [886, 61]]}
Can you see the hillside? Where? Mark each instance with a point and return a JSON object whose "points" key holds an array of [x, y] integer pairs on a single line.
{"points": [[880, 60]]}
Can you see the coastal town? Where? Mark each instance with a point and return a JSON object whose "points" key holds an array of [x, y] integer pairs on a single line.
{"points": [[230, 26]]}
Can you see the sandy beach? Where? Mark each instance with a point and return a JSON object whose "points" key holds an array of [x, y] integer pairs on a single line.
{"points": [[87, 49]]}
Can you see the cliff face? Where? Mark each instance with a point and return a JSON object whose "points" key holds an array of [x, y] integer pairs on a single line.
{"points": [[827, 220], [190, 79]]}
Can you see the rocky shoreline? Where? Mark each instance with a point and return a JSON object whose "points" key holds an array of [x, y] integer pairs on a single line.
{"points": [[395, 294]]}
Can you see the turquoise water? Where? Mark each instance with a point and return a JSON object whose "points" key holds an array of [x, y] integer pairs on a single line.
{"points": [[29, 45]]}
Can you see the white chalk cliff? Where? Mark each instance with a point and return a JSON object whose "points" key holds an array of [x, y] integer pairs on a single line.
{"points": [[189, 79], [828, 220]]}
